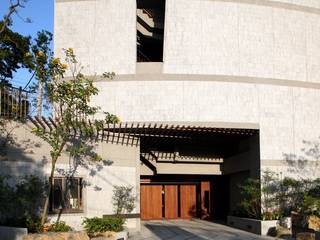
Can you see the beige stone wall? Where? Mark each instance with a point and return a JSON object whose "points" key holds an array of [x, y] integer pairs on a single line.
{"points": [[254, 62], [120, 166], [269, 39], [102, 33], [286, 115]]}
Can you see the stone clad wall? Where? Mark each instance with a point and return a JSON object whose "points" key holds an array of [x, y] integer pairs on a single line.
{"points": [[287, 115], [252, 62], [102, 33], [268, 39]]}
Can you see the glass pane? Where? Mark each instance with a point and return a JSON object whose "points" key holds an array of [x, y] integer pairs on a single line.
{"points": [[73, 196], [57, 194]]}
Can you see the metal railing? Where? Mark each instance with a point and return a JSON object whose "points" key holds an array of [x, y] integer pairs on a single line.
{"points": [[14, 102]]}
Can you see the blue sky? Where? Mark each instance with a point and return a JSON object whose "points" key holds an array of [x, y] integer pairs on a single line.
{"points": [[41, 14]]}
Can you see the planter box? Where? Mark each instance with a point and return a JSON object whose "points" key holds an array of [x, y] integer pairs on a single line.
{"points": [[124, 235], [12, 233], [252, 225], [58, 235]]}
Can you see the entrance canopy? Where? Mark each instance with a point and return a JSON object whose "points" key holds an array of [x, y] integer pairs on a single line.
{"points": [[130, 133], [168, 142]]}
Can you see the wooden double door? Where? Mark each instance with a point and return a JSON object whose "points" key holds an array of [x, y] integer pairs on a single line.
{"points": [[168, 201]]}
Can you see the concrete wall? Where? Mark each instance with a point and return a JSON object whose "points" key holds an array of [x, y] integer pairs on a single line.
{"points": [[180, 168], [102, 33], [120, 166], [247, 160]]}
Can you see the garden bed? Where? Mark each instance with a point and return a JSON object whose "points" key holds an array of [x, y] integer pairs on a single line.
{"points": [[252, 225]]}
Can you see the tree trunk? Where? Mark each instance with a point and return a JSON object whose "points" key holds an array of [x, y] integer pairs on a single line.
{"points": [[53, 167], [39, 99], [46, 203]]}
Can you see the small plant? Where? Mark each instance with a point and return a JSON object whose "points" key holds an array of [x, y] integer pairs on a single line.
{"points": [[250, 206], [34, 224], [94, 226], [59, 226], [123, 199]]}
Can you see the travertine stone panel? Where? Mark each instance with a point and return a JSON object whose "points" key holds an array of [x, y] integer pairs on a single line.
{"points": [[243, 38], [102, 33], [286, 115]]}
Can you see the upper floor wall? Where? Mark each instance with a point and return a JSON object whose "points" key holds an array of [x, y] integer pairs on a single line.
{"points": [[263, 39], [102, 33], [269, 39]]}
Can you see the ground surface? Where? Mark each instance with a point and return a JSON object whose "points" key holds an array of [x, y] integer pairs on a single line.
{"points": [[190, 230]]}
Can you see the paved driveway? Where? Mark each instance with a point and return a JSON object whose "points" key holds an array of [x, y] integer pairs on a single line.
{"points": [[190, 230]]}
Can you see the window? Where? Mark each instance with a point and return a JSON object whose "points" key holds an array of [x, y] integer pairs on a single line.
{"points": [[66, 195], [150, 30]]}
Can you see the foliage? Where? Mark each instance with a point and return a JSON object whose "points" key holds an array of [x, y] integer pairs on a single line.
{"points": [[123, 199], [59, 226], [20, 204], [290, 195], [311, 205], [271, 198], [250, 206], [42, 56], [14, 53], [99, 225], [34, 224], [311, 199]]}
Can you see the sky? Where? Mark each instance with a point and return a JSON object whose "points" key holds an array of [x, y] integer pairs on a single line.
{"points": [[41, 14]]}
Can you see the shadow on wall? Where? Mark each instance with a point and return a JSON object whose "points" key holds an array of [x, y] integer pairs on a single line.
{"points": [[21, 157], [308, 163], [15, 159]]}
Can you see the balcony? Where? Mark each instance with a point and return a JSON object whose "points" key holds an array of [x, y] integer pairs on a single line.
{"points": [[14, 102]]}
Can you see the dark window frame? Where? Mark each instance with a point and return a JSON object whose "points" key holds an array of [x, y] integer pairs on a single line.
{"points": [[65, 196]]}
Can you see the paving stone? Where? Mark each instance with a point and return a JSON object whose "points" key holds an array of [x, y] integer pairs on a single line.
{"points": [[191, 230]]}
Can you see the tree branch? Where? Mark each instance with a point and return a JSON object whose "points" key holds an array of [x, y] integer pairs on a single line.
{"points": [[12, 9]]}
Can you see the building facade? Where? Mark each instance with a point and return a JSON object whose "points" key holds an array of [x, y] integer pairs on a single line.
{"points": [[214, 91]]}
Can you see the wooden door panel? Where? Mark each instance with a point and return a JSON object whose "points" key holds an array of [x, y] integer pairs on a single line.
{"points": [[188, 201], [205, 200], [151, 202], [171, 201]]}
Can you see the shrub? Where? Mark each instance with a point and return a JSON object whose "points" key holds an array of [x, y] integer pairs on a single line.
{"points": [[34, 224], [272, 198], [21, 200], [98, 225], [20, 204], [123, 199], [250, 206], [59, 226]]}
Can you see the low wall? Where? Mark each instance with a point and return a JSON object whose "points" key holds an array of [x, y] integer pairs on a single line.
{"points": [[252, 225], [11, 233]]}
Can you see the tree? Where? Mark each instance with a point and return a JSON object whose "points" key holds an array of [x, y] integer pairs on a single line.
{"points": [[41, 55], [13, 8], [73, 114], [14, 47], [14, 53]]}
